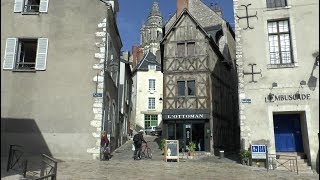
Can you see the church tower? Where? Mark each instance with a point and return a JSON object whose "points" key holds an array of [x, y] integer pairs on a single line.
{"points": [[151, 32]]}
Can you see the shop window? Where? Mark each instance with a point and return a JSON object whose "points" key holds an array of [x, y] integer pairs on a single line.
{"points": [[150, 120]]}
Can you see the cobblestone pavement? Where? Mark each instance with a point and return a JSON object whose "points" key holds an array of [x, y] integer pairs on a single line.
{"points": [[123, 167]]}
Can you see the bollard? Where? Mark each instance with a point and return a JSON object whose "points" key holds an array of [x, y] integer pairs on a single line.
{"points": [[221, 154]]}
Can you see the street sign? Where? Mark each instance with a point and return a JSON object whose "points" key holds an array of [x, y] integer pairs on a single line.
{"points": [[248, 101], [97, 94], [258, 151]]}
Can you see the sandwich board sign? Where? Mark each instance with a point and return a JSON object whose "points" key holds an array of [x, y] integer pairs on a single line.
{"points": [[258, 151], [171, 150]]}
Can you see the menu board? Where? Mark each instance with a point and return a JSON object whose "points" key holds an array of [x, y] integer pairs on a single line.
{"points": [[171, 150]]}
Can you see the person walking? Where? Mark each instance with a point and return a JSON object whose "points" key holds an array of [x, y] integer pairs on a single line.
{"points": [[105, 150], [137, 140]]}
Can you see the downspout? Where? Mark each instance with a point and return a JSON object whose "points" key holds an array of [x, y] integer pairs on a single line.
{"points": [[106, 53]]}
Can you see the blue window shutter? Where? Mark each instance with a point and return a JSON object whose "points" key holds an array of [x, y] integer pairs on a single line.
{"points": [[18, 6], [42, 49], [43, 6], [10, 53]]}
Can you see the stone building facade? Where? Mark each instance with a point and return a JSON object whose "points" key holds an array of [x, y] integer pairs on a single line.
{"points": [[59, 76], [199, 79], [278, 68]]}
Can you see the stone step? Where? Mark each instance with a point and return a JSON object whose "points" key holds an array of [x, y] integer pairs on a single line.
{"points": [[286, 155]]}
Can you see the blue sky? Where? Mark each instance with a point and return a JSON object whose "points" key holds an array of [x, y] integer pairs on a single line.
{"points": [[132, 13]]}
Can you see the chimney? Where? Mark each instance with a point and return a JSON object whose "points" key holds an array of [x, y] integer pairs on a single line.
{"points": [[181, 4], [218, 10]]}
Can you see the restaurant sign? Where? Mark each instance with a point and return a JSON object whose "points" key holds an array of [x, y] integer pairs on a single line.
{"points": [[185, 116], [287, 97]]}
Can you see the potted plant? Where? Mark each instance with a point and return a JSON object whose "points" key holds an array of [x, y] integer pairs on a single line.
{"points": [[162, 144], [191, 147], [244, 156]]}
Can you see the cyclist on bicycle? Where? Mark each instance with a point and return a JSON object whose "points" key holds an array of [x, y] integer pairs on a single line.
{"points": [[137, 140]]}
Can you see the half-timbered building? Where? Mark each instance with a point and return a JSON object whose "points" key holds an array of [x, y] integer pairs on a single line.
{"points": [[199, 79]]}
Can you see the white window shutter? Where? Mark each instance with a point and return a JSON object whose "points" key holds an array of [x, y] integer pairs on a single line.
{"points": [[18, 6], [10, 53], [43, 6], [42, 50]]}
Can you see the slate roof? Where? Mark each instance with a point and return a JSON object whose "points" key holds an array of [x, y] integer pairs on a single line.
{"points": [[148, 59], [213, 31]]}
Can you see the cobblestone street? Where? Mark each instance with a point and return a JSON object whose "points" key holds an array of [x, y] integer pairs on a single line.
{"points": [[123, 167]]}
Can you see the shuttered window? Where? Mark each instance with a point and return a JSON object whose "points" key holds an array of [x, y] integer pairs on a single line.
{"points": [[26, 54], [10, 53], [31, 6]]}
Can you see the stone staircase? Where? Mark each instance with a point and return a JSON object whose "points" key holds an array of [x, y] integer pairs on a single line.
{"points": [[293, 162]]}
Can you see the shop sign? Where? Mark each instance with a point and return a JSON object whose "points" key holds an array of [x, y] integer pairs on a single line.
{"points": [[286, 97], [185, 116]]}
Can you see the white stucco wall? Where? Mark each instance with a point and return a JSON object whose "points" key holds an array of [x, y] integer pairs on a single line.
{"points": [[256, 118], [143, 93]]}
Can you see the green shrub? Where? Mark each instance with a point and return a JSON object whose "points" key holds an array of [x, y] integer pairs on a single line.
{"points": [[162, 143], [244, 156]]}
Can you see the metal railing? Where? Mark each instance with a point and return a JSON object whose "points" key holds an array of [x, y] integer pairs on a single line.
{"points": [[290, 163], [48, 168], [15, 161], [18, 163], [31, 8]]}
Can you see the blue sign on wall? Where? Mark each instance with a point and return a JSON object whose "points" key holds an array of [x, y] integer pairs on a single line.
{"points": [[258, 151]]}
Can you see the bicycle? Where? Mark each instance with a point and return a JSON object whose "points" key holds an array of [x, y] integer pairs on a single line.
{"points": [[146, 152]]}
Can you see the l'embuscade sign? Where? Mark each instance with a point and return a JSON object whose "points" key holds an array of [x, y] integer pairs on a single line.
{"points": [[185, 116], [286, 97]]}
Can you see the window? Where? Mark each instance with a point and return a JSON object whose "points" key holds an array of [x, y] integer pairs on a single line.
{"points": [[190, 48], [152, 67], [181, 49], [152, 84], [151, 103], [184, 49], [181, 88], [31, 6], [276, 3], [279, 42], [189, 89], [150, 120], [25, 54]]}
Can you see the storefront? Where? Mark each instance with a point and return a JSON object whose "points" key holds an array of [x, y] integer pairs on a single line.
{"points": [[186, 125]]}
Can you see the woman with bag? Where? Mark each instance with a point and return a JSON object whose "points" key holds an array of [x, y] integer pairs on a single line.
{"points": [[105, 150]]}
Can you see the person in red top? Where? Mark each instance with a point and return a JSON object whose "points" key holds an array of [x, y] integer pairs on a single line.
{"points": [[105, 150]]}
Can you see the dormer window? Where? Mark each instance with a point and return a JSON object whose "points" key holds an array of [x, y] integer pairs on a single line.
{"points": [[152, 67]]}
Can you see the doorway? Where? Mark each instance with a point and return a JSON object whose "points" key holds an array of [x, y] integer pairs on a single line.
{"points": [[186, 132], [287, 133]]}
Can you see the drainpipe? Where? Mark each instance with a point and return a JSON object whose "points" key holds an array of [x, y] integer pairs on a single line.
{"points": [[106, 53]]}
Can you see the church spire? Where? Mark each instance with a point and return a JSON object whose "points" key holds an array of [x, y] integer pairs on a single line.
{"points": [[155, 10]]}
